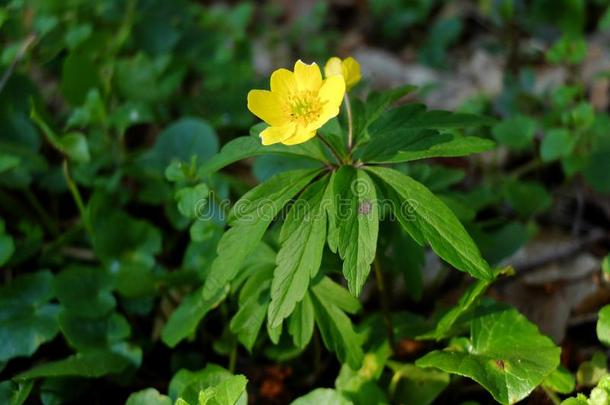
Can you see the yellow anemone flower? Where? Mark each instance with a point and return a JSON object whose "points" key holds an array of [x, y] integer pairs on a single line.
{"points": [[349, 68], [298, 104]]}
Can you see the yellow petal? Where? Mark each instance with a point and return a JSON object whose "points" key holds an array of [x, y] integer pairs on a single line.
{"points": [[308, 77], [267, 106], [333, 67], [330, 95], [283, 82], [273, 135], [351, 72], [301, 135]]}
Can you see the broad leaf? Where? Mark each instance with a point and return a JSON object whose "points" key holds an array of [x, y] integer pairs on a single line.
{"points": [[357, 221], [91, 364], [426, 218], [506, 354], [603, 325], [148, 396], [414, 385], [249, 219], [560, 381], [335, 326], [321, 396], [26, 320], [15, 393], [302, 240]]}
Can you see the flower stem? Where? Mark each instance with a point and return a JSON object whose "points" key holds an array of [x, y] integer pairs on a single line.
{"points": [[385, 305], [350, 125], [329, 146], [77, 199]]}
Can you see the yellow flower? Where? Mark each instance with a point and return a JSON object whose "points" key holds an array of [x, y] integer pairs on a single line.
{"points": [[298, 104], [349, 68]]}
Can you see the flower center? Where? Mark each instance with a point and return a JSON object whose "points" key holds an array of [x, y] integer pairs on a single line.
{"points": [[304, 107]]}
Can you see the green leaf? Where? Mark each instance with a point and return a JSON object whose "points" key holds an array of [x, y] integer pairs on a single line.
{"points": [[413, 385], [361, 385], [526, 197], [249, 219], [560, 381], [335, 327], [148, 396], [75, 146], [79, 74], [557, 143], [516, 132], [506, 354], [15, 393], [603, 325], [184, 320], [467, 303], [8, 162], [212, 385], [301, 322], [26, 320], [92, 364], [426, 218], [378, 101], [84, 291], [7, 248], [99, 333], [302, 240], [190, 199], [181, 140], [451, 146], [322, 396], [249, 146], [254, 300], [357, 222], [227, 392], [590, 372]]}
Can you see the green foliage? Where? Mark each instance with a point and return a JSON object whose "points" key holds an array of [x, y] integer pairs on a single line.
{"points": [[505, 353]]}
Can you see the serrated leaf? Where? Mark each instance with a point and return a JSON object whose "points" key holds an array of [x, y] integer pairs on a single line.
{"points": [[335, 326], [254, 301], [378, 101], [442, 145], [184, 320], [357, 222], [301, 322], [302, 240], [426, 218], [249, 219], [506, 354]]}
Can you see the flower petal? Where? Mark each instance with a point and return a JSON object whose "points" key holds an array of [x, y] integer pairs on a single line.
{"points": [[273, 135], [283, 82], [330, 95], [351, 72], [267, 106], [301, 135], [308, 77], [333, 67]]}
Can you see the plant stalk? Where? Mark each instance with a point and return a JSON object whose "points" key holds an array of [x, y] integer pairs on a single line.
{"points": [[385, 305], [333, 150], [77, 198], [350, 124]]}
